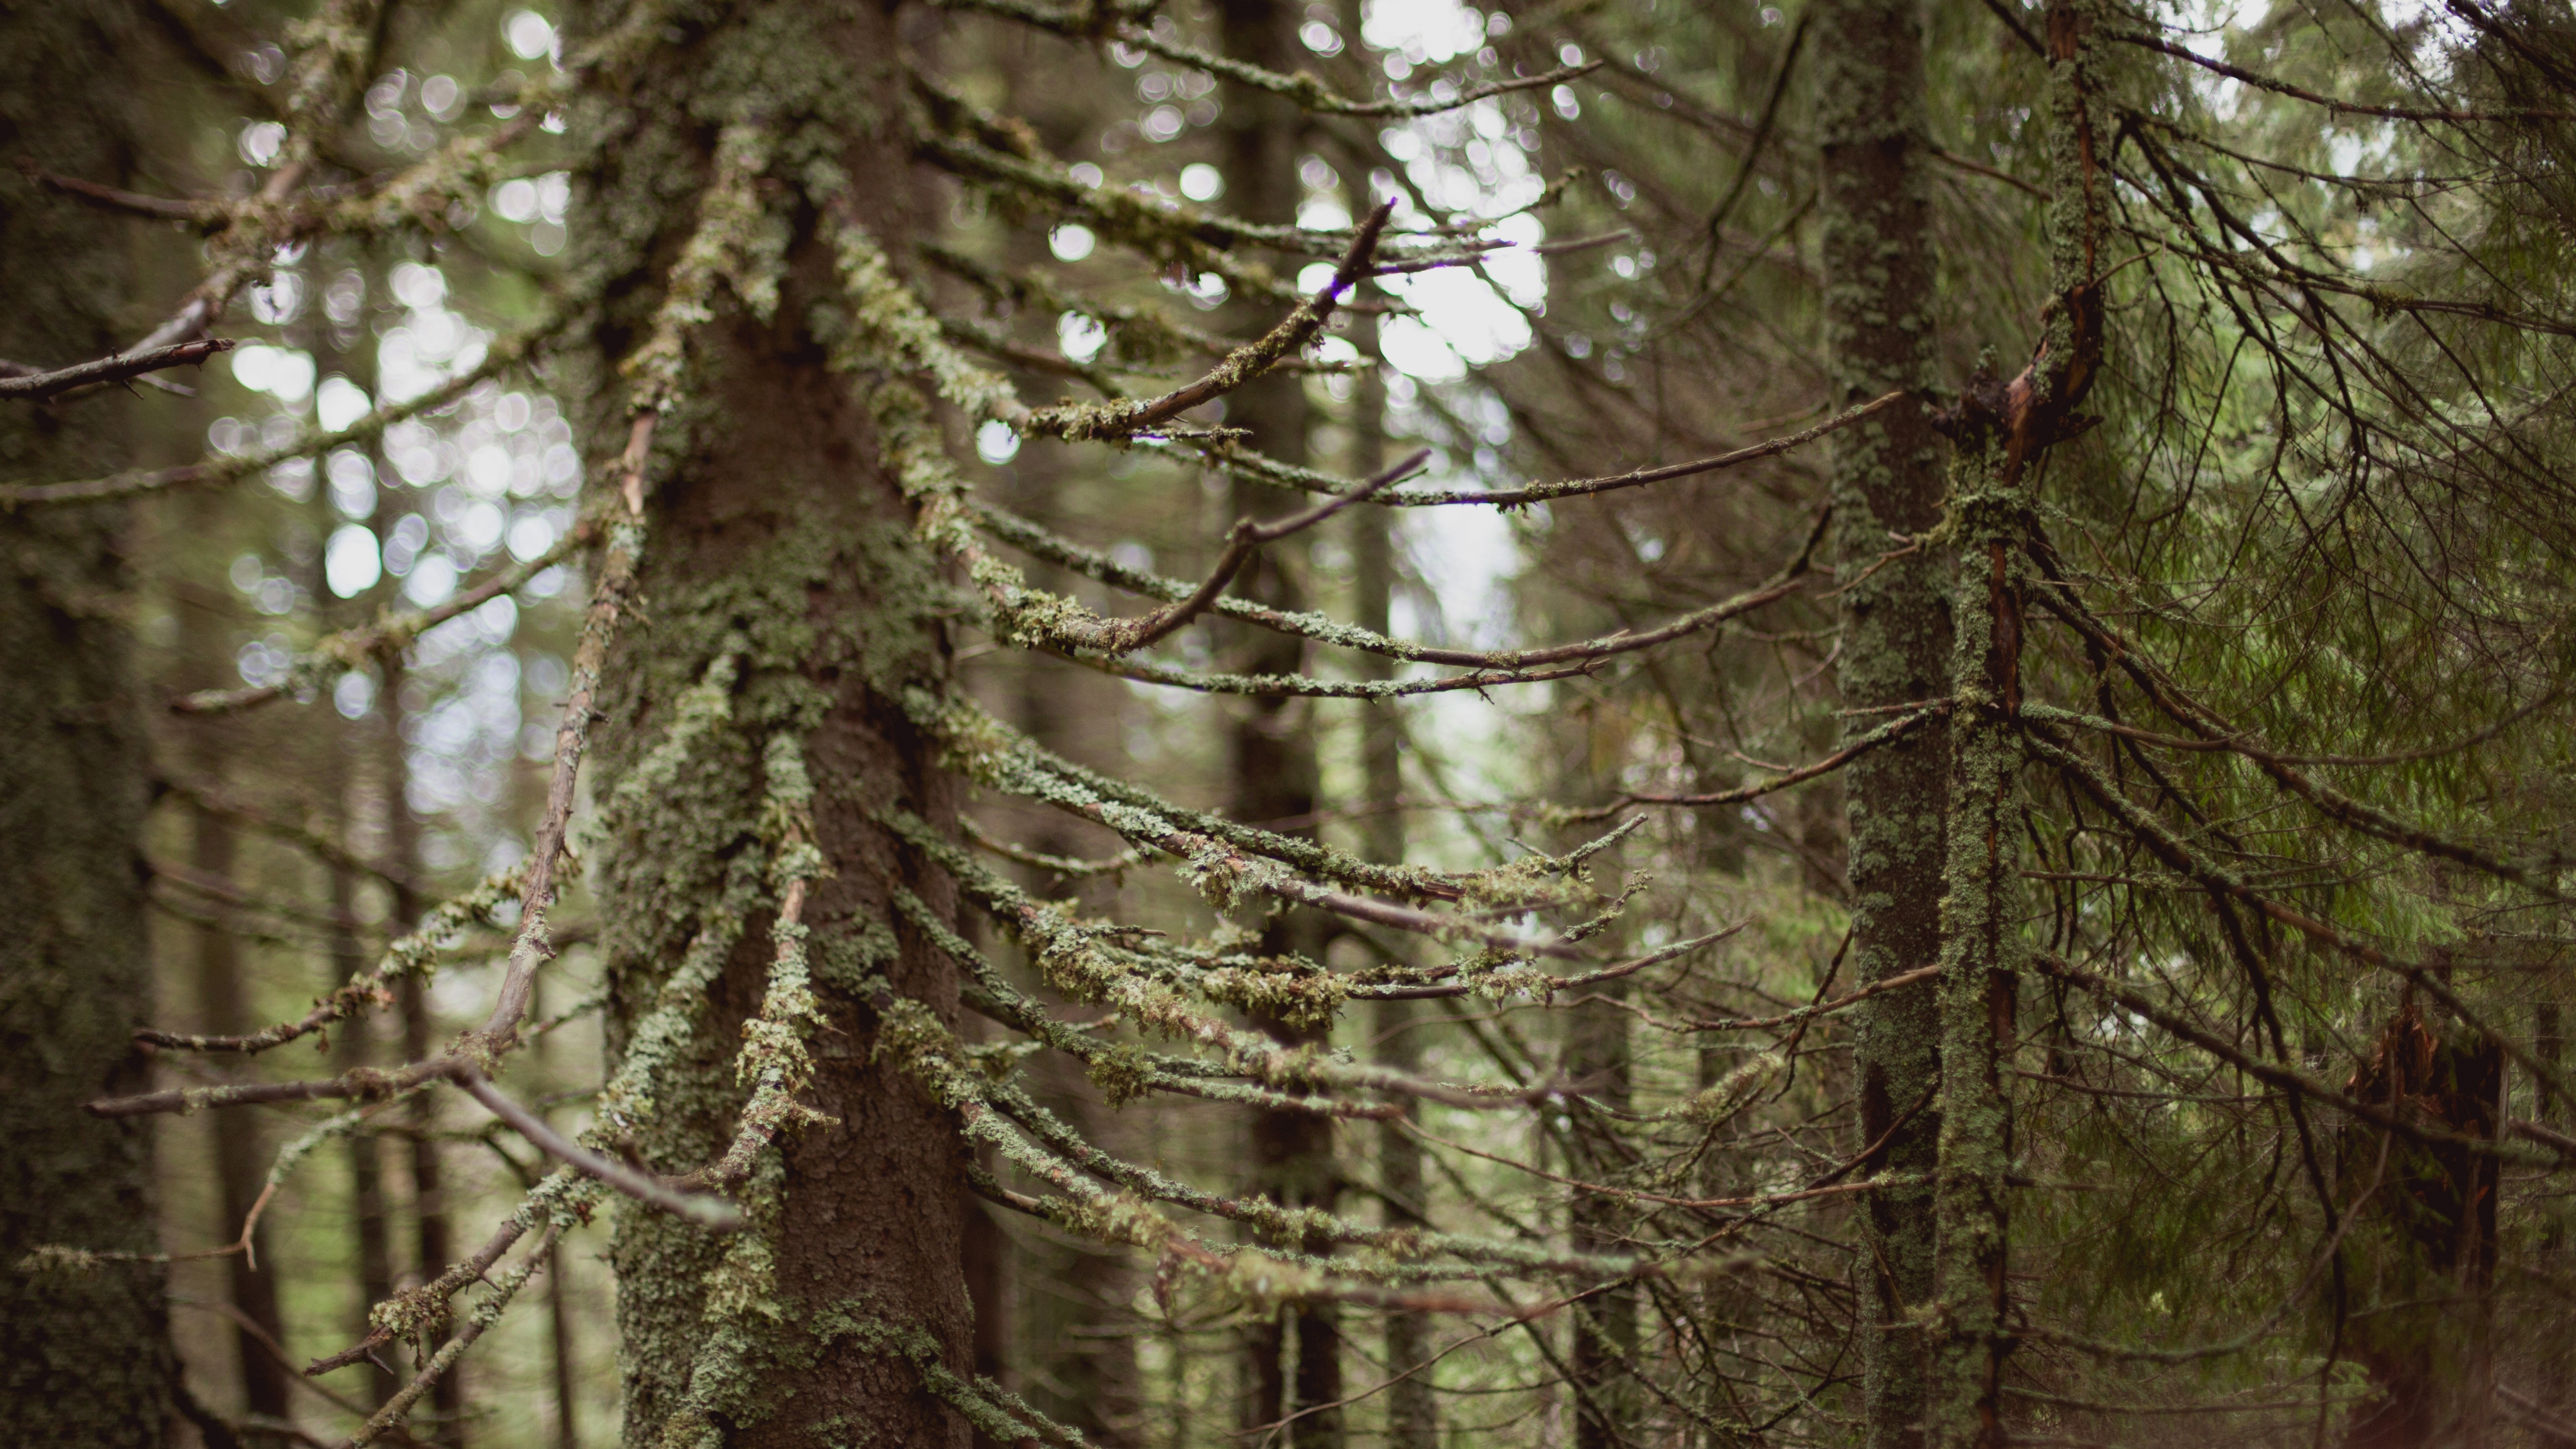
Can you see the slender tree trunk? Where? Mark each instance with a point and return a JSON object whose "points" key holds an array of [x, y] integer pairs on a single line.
{"points": [[1412, 1412], [85, 1355], [1887, 480], [433, 1241], [1980, 952], [559, 1309], [371, 1234], [1082, 1345], [223, 1005], [777, 535], [371, 1237], [1598, 1061], [241, 1164], [1294, 1360]]}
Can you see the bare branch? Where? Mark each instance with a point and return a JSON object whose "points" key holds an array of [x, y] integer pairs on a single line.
{"points": [[41, 386], [1125, 419], [1245, 539], [712, 1213]]}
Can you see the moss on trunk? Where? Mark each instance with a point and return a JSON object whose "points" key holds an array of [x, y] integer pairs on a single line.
{"points": [[784, 607], [1887, 480], [85, 1359]]}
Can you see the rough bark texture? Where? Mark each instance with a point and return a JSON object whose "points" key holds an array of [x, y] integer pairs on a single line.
{"points": [[1294, 1359], [779, 538], [1980, 950], [2425, 1253], [85, 1358], [1887, 480]]}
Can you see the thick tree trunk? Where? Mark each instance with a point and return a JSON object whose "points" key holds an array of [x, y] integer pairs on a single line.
{"points": [[85, 1356], [778, 537], [1887, 480], [1293, 1361]]}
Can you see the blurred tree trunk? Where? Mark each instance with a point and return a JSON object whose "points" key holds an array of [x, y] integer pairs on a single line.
{"points": [[1082, 1344], [1887, 480], [85, 1357], [224, 1006], [1412, 1413], [370, 1229], [778, 535], [1294, 1359], [1599, 1064], [433, 1241]]}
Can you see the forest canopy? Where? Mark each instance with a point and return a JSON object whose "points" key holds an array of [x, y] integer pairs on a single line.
{"points": [[1287, 723]]}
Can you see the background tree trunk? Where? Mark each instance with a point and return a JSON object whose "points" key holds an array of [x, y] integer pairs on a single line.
{"points": [[1294, 1359], [85, 1357]]}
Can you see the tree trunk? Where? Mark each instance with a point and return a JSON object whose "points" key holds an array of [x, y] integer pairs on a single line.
{"points": [[433, 1241], [241, 1165], [1082, 1337], [371, 1237], [1294, 1359], [778, 536], [1887, 479], [85, 1355], [1980, 950], [1600, 1065], [1412, 1412]]}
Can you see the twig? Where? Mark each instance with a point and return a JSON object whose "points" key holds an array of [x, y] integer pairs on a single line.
{"points": [[388, 635], [1884, 734], [41, 386], [1125, 419], [713, 1213], [1241, 543], [1574, 487], [608, 600]]}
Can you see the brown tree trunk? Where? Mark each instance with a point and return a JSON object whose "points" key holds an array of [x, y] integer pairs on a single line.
{"points": [[777, 534], [1293, 1360], [85, 1355], [433, 1241], [1412, 1413], [371, 1236], [1887, 479], [241, 1165], [1081, 1336]]}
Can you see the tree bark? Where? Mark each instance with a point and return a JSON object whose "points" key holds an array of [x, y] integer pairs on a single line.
{"points": [[1294, 1359], [241, 1164], [1598, 1061], [778, 535], [1887, 480], [1980, 952], [85, 1356]]}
